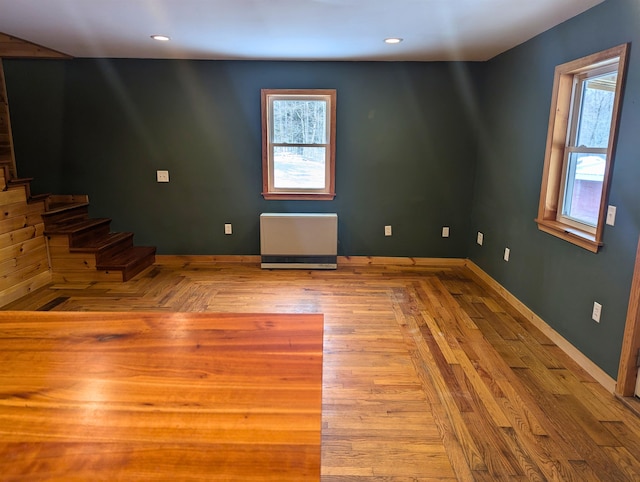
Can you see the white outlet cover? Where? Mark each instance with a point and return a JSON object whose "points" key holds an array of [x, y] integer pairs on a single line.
{"points": [[480, 238], [387, 230], [162, 176], [228, 229], [507, 253], [445, 231], [611, 215]]}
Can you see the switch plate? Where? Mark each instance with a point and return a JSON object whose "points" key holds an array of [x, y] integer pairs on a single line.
{"points": [[228, 229], [445, 231], [611, 215], [387, 230], [162, 176], [507, 252], [480, 238], [597, 311]]}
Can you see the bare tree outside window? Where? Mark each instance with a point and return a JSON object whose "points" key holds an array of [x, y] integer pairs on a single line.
{"points": [[298, 144], [299, 139]]}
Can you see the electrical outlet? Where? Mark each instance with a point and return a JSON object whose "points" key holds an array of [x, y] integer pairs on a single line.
{"points": [[387, 230], [611, 215], [507, 252], [445, 231], [227, 229], [162, 176], [597, 311], [480, 238]]}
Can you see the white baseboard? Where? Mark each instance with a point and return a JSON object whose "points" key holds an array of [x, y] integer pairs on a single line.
{"points": [[576, 355]]}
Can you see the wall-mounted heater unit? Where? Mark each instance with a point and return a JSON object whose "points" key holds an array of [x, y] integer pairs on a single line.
{"points": [[304, 241]]}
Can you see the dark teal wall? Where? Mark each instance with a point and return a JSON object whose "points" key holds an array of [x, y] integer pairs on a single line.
{"points": [[405, 151], [37, 120], [557, 280]]}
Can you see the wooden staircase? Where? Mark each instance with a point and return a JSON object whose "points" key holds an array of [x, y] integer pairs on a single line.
{"points": [[78, 248], [84, 249]]}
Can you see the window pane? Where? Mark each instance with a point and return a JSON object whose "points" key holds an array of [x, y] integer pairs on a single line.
{"points": [[585, 175], [596, 109], [299, 167], [299, 122]]}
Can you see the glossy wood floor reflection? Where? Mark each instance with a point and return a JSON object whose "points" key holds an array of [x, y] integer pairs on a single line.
{"points": [[157, 396], [428, 375]]}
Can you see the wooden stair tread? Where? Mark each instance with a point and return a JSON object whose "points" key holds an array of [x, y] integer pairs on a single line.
{"points": [[18, 181], [130, 262], [76, 226], [128, 258], [38, 197], [103, 243], [57, 208]]}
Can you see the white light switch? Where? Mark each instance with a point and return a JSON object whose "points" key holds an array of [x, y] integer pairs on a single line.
{"points": [[445, 231], [162, 176], [597, 310], [228, 229], [387, 230], [507, 253]]}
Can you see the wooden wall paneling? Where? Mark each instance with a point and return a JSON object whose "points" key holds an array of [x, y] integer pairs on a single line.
{"points": [[14, 47], [24, 261], [19, 235], [86, 276], [25, 287]]}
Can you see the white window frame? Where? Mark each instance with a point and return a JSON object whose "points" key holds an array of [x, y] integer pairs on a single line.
{"points": [[269, 191], [563, 121], [571, 147]]}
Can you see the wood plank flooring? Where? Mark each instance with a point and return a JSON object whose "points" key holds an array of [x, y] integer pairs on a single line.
{"points": [[157, 396], [427, 374]]}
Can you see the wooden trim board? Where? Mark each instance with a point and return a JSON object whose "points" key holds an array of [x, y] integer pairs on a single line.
{"points": [[399, 261], [591, 368], [627, 370], [342, 260], [177, 259], [14, 47]]}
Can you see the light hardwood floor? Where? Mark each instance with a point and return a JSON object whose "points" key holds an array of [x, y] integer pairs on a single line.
{"points": [[157, 396], [428, 375]]}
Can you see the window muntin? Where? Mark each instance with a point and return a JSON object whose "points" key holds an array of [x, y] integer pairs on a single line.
{"points": [[582, 127], [298, 144]]}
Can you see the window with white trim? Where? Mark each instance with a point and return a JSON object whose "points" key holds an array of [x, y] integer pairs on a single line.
{"points": [[298, 144], [580, 144]]}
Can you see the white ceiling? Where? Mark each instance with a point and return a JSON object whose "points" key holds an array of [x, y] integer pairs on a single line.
{"points": [[285, 29]]}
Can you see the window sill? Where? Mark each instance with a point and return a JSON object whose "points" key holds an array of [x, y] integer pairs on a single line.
{"points": [[572, 235], [285, 196]]}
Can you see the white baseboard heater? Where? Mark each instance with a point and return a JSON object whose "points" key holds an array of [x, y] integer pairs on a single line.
{"points": [[303, 241]]}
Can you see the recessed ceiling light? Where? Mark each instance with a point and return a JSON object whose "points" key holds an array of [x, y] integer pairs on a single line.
{"points": [[393, 40], [161, 38]]}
